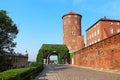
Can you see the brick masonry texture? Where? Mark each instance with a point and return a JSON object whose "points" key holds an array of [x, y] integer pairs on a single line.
{"points": [[104, 54], [103, 42], [72, 31], [102, 29]]}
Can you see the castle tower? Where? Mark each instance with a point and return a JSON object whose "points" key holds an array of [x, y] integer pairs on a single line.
{"points": [[72, 31]]}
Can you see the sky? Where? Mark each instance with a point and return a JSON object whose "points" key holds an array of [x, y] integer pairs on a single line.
{"points": [[40, 21]]}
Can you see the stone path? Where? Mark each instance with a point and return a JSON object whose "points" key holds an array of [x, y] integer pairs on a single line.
{"points": [[48, 73], [68, 72]]}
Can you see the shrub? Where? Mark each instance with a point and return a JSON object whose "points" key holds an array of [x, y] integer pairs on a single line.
{"points": [[21, 73], [36, 64]]}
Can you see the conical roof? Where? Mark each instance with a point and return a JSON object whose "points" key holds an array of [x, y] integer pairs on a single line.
{"points": [[71, 13]]}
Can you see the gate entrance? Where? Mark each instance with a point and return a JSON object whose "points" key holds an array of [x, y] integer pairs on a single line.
{"points": [[52, 58], [47, 51]]}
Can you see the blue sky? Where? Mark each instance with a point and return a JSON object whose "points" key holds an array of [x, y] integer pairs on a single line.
{"points": [[40, 21]]}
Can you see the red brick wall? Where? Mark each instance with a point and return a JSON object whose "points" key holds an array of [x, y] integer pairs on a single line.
{"points": [[80, 42], [104, 27], [104, 54], [92, 34]]}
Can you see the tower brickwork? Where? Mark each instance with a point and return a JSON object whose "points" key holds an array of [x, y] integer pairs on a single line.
{"points": [[72, 36]]}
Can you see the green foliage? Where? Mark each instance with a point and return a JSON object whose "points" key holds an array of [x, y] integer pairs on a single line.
{"points": [[36, 64], [21, 73], [71, 55], [8, 32], [40, 56], [46, 49], [13, 74]]}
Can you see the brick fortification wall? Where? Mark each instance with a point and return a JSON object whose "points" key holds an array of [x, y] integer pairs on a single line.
{"points": [[104, 54]]}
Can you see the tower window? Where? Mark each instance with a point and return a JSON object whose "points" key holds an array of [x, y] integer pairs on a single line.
{"points": [[118, 23], [90, 36], [118, 30], [111, 30], [91, 43], [75, 21], [73, 33], [69, 16], [95, 41], [95, 33], [98, 39], [75, 16], [73, 40], [111, 23], [69, 22], [98, 32]]}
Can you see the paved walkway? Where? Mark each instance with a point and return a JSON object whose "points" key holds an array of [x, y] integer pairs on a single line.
{"points": [[48, 73], [68, 72]]}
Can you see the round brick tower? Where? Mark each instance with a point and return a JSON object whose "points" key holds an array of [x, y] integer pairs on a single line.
{"points": [[72, 30]]}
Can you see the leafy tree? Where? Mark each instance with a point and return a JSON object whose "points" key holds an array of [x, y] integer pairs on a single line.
{"points": [[8, 32]]}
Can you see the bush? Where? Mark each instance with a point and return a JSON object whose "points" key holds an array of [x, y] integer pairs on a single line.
{"points": [[21, 73], [14, 73], [36, 64]]}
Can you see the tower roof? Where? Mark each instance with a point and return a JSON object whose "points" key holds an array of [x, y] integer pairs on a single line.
{"points": [[71, 13]]}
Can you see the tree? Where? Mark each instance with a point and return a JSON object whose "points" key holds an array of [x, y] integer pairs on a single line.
{"points": [[8, 32]]}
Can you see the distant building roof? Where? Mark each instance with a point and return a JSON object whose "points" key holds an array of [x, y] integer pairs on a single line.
{"points": [[103, 19], [16, 54], [71, 13]]}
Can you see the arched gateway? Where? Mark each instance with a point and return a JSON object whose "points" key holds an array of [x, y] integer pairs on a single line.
{"points": [[47, 50]]}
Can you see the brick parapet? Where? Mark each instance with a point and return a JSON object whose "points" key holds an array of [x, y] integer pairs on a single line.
{"points": [[103, 54]]}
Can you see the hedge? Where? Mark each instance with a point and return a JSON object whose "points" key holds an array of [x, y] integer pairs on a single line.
{"points": [[21, 73]]}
